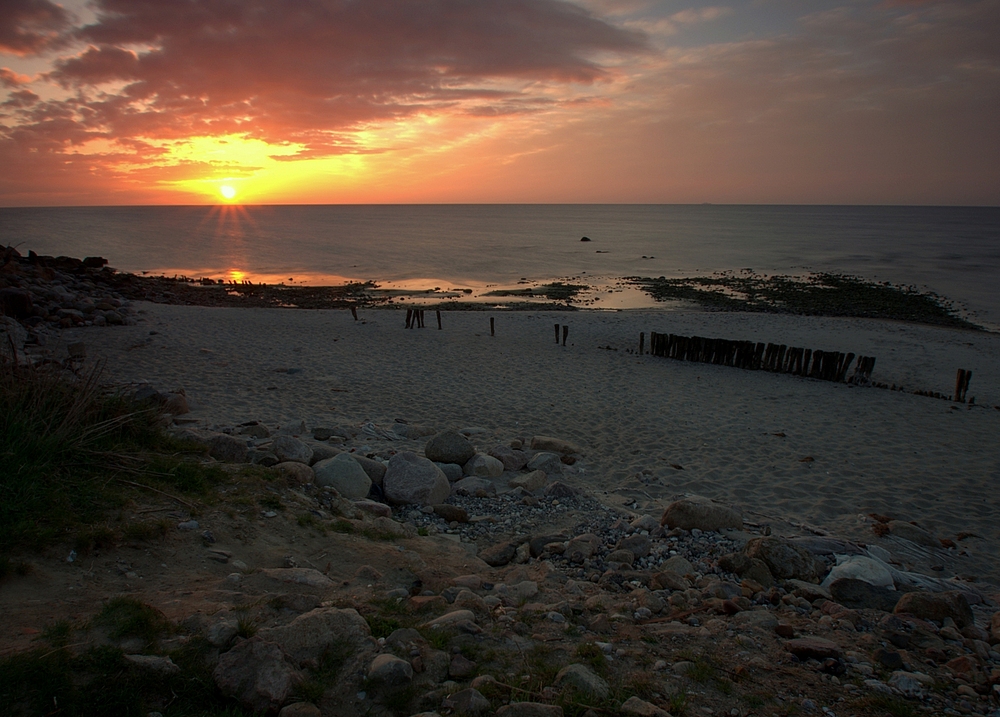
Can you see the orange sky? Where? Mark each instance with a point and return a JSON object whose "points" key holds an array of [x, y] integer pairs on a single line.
{"points": [[346, 101]]}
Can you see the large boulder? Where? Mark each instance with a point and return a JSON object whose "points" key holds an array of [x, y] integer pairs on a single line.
{"points": [[344, 474], [474, 486], [295, 473], [529, 481], [412, 479], [374, 469], [701, 513], [937, 606], [556, 445], [747, 567], [226, 448], [547, 462], [449, 447], [784, 558], [580, 679], [308, 636], [483, 466], [390, 671], [257, 674], [513, 460], [859, 594], [289, 448]]}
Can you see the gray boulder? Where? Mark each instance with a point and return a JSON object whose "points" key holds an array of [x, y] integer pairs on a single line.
{"points": [[412, 479], [474, 486], [228, 449], [547, 462], [449, 447], [513, 460], [701, 513], [452, 471], [582, 680], [529, 481], [257, 674], [290, 448], [322, 451], [858, 594], [307, 637], [390, 671], [295, 473], [469, 701], [556, 445], [345, 475], [483, 466], [374, 469], [784, 558], [937, 606]]}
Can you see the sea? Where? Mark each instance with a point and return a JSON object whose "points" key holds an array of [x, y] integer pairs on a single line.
{"points": [[953, 251]]}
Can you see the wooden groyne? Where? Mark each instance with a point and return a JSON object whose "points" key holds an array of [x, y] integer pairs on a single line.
{"points": [[758, 356]]}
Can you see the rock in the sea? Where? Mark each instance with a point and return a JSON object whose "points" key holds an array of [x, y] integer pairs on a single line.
{"points": [[289, 448], [345, 475], [858, 594], [784, 558], [579, 678], [390, 671], [483, 466], [411, 479], [474, 486], [513, 460], [547, 462], [701, 513], [535, 480], [228, 449], [295, 473], [308, 636], [374, 469], [449, 447], [257, 674], [937, 606], [555, 445]]}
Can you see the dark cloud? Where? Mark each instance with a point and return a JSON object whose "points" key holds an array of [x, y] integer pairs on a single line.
{"points": [[28, 27]]}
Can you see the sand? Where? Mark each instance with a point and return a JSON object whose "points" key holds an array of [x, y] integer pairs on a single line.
{"points": [[910, 457]]}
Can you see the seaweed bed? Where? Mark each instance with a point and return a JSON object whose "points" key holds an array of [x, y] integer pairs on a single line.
{"points": [[817, 294], [556, 291]]}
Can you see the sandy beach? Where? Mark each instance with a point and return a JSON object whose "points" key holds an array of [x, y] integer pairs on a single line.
{"points": [[737, 436]]}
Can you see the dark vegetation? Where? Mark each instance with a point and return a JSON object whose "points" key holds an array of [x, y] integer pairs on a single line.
{"points": [[556, 291], [820, 294]]}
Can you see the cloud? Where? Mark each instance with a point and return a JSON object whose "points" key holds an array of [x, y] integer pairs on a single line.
{"points": [[28, 27], [9, 78]]}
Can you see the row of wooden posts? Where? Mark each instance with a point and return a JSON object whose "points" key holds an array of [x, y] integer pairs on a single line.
{"points": [[415, 319], [758, 356]]}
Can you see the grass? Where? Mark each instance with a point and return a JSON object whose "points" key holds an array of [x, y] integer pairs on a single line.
{"points": [[592, 655], [382, 626], [126, 617], [887, 705]]}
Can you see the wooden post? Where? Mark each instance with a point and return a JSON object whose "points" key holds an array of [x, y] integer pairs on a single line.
{"points": [[557, 334], [565, 333], [642, 342], [965, 386], [409, 317], [492, 327], [354, 312], [439, 320], [421, 318], [959, 380]]}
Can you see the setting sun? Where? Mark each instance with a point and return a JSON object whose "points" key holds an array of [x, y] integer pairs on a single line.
{"points": [[227, 191]]}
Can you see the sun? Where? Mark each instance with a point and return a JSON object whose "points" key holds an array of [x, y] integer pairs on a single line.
{"points": [[227, 191]]}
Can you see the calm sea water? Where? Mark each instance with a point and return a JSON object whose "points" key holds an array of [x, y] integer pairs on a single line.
{"points": [[952, 250]]}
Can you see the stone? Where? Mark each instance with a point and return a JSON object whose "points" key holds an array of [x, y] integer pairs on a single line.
{"points": [[176, 404], [483, 466], [257, 674], [390, 671], [295, 473], [995, 627], [221, 632], [374, 469], [812, 647], [322, 452], [154, 663], [558, 489], [451, 618], [308, 636], [638, 545], [747, 568], [701, 513], [555, 445], [412, 430], [937, 606], [668, 580], [784, 558], [581, 547], [679, 565], [809, 591], [375, 508], [580, 679], [289, 448], [860, 567], [451, 513], [343, 474], [498, 555], [410, 479], [913, 533], [474, 486], [858, 594], [227, 449], [469, 702], [645, 522], [889, 659], [460, 667], [529, 709], [449, 447], [300, 709], [452, 471], [299, 576], [764, 619], [513, 460], [907, 683], [535, 480], [549, 463], [640, 708]]}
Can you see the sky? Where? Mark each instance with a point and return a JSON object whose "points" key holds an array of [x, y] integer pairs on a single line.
{"points": [[107, 102]]}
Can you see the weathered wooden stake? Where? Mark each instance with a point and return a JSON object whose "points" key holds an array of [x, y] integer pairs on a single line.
{"points": [[439, 320], [642, 342], [557, 334], [421, 318], [492, 327], [354, 313], [959, 380], [565, 333], [409, 317]]}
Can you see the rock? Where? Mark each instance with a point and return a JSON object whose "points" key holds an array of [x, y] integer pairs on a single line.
{"points": [[582, 680], [625, 557], [451, 513], [228, 449], [645, 522], [889, 659], [300, 709], [295, 473], [995, 627], [783, 558], [764, 619], [299, 576], [467, 702], [530, 709], [154, 663], [549, 463], [452, 471], [638, 545], [498, 555], [308, 636], [678, 565], [668, 580], [410, 479], [343, 474], [858, 594], [513, 460], [555, 445], [390, 671], [937, 606], [581, 547], [537, 543], [257, 674], [375, 508], [483, 466], [535, 480], [449, 447], [558, 489], [16, 303], [640, 708], [809, 591], [322, 452], [473, 486], [289, 448], [176, 404], [460, 667], [747, 567], [451, 618], [812, 647], [859, 567], [374, 469], [221, 632], [412, 430], [907, 683], [700, 513], [913, 533]]}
